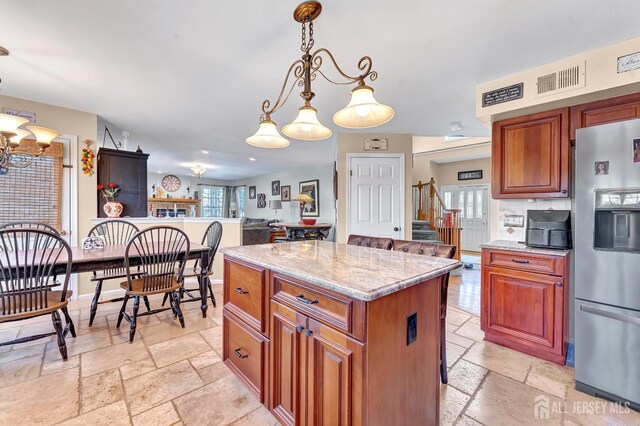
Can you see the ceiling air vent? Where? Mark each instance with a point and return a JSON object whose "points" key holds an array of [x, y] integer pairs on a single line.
{"points": [[561, 80]]}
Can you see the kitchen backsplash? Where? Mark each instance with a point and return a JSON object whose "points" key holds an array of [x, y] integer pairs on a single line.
{"points": [[520, 207]]}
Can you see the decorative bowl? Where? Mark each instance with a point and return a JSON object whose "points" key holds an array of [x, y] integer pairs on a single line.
{"points": [[309, 221]]}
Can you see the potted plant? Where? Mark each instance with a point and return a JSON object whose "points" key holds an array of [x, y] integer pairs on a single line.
{"points": [[111, 207]]}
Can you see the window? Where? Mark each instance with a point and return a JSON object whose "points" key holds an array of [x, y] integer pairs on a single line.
{"points": [[461, 203], [447, 200], [34, 194], [479, 212], [240, 192], [212, 201], [470, 204]]}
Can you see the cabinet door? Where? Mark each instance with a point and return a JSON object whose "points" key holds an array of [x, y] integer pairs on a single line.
{"points": [[334, 377], [288, 364], [524, 308], [603, 112], [530, 156]]}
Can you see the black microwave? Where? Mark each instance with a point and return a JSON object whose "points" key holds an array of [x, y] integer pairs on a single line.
{"points": [[549, 229]]}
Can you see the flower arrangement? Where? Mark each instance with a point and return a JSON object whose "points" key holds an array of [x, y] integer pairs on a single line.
{"points": [[86, 158], [109, 192], [303, 199]]}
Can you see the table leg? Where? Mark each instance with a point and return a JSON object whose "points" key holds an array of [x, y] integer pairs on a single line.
{"points": [[202, 281]]}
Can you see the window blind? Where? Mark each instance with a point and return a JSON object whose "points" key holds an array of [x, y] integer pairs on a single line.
{"points": [[34, 194]]}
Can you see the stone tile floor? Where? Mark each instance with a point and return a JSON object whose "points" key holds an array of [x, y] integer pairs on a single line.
{"points": [[174, 376]]}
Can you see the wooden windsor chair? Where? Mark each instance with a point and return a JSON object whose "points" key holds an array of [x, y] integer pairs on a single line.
{"points": [[162, 251], [211, 239], [28, 259], [114, 232]]}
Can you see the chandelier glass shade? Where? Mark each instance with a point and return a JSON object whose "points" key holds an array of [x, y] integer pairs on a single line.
{"points": [[362, 112], [11, 136], [267, 136], [198, 170], [306, 126]]}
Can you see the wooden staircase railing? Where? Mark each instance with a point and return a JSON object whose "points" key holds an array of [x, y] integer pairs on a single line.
{"points": [[431, 207]]}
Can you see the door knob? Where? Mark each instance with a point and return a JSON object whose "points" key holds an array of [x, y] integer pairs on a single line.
{"points": [[396, 229], [63, 232]]}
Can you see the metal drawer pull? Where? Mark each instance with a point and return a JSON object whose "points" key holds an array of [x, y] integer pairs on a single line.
{"points": [[558, 284], [612, 315], [239, 354], [523, 262], [299, 329], [301, 298], [241, 291]]}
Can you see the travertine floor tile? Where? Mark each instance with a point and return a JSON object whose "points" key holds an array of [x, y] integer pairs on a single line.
{"points": [[471, 331], [454, 352], [550, 378], [213, 336], [213, 372], [456, 317], [50, 367], [500, 359], [148, 390], [113, 414], [162, 415], [259, 417], [111, 357], [504, 402], [99, 390], [18, 352], [587, 410], [204, 359], [160, 333], [174, 350], [452, 402], [137, 368], [458, 340], [88, 342], [467, 421], [47, 400], [204, 405], [466, 376], [20, 370]]}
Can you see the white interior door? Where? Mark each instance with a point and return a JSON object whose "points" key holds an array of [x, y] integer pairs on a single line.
{"points": [[69, 213], [473, 203], [376, 195]]}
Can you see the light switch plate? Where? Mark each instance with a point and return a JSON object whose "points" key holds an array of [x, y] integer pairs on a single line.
{"points": [[515, 221]]}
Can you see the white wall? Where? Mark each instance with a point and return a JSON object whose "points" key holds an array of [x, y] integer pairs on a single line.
{"points": [[290, 210]]}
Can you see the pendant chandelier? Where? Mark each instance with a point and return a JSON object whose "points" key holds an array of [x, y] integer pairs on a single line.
{"points": [[198, 170], [362, 112], [11, 136]]}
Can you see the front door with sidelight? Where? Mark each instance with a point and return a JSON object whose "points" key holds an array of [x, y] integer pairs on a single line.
{"points": [[376, 195], [473, 203]]}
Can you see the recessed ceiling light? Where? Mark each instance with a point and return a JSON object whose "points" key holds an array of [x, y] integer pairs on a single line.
{"points": [[3, 51], [204, 151], [159, 171], [252, 159]]}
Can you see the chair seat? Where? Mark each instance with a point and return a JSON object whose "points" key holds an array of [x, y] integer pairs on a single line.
{"points": [[53, 304], [138, 285]]}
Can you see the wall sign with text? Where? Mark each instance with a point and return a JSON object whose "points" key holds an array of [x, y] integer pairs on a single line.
{"points": [[504, 94], [629, 62], [470, 175]]}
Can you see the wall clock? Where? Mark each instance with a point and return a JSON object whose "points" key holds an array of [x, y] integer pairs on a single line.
{"points": [[171, 183]]}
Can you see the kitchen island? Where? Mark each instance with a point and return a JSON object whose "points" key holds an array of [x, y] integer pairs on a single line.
{"points": [[325, 333]]}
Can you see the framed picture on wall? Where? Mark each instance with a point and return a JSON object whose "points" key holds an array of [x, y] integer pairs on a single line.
{"points": [[285, 193], [262, 201], [275, 187], [252, 192], [312, 189]]}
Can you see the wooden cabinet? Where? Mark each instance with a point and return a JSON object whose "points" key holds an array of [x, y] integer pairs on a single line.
{"points": [[525, 302], [606, 111], [129, 171], [531, 156], [321, 357]]}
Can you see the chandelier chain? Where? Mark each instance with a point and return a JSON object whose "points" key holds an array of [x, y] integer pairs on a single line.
{"points": [[306, 47]]}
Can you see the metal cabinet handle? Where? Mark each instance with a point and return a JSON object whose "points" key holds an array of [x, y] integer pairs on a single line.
{"points": [[612, 315], [299, 329], [564, 191], [558, 284], [239, 354], [522, 262], [308, 332], [241, 291], [302, 299]]}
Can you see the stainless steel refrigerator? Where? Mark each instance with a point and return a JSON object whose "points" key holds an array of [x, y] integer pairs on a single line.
{"points": [[607, 261]]}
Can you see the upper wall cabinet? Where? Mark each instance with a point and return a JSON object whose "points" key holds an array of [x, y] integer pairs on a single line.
{"points": [[604, 112], [129, 171], [531, 156]]}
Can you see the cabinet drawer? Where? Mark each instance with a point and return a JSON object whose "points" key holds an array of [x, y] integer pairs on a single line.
{"points": [[528, 262], [245, 293], [245, 353], [335, 310]]}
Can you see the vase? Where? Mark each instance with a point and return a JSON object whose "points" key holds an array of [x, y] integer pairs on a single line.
{"points": [[112, 208]]}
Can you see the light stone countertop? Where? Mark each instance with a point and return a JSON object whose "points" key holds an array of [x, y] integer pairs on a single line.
{"points": [[517, 246], [359, 272]]}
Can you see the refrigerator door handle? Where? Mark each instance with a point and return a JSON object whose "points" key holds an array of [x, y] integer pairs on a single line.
{"points": [[612, 315]]}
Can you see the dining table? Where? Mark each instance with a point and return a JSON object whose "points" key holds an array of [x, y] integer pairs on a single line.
{"points": [[112, 256]]}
